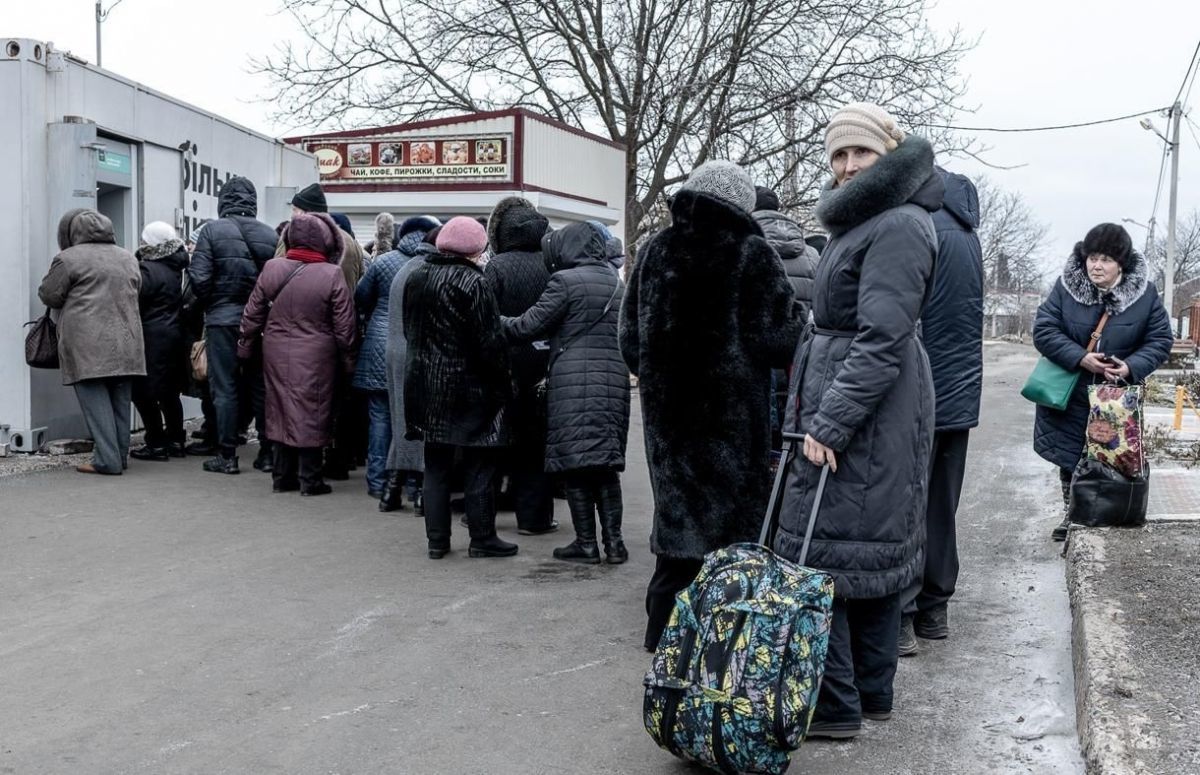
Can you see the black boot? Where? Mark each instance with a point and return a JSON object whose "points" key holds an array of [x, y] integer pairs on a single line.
{"points": [[611, 513], [392, 498], [583, 517], [484, 541], [417, 496]]}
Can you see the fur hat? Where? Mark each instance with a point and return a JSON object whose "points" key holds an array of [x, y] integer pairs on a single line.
{"points": [[765, 199], [157, 232], [1108, 239], [725, 181], [385, 232], [862, 125], [515, 224], [462, 236], [311, 199]]}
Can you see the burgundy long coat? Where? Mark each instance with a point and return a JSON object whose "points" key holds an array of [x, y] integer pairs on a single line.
{"points": [[307, 335]]}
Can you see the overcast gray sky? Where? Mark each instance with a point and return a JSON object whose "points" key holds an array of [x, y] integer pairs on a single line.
{"points": [[1038, 62]]}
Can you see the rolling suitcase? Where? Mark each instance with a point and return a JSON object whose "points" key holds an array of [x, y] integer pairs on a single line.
{"points": [[734, 680]]}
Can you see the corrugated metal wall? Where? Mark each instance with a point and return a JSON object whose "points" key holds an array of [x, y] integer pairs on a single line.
{"points": [[562, 161]]}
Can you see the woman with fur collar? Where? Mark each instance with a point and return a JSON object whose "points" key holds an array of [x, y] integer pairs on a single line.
{"points": [[863, 392], [1104, 273]]}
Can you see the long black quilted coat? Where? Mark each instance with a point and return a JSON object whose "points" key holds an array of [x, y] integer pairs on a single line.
{"points": [[588, 400], [160, 301], [456, 378], [862, 382], [230, 253]]}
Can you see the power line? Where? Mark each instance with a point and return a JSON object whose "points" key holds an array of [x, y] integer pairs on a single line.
{"points": [[1047, 128], [1187, 74], [1192, 130]]}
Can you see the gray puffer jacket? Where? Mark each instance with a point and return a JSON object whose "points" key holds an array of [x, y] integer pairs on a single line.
{"points": [[862, 383], [799, 258], [588, 396]]}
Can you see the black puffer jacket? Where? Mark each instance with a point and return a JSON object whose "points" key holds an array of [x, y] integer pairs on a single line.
{"points": [[518, 275], [230, 253], [799, 259], [456, 376], [863, 386], [952, 326], [588, 401], [1138, 332], [160, 302]]}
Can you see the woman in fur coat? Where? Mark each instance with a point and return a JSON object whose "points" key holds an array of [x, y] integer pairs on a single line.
{"points": [[1104, 273], [707, 313], [864, 393]]}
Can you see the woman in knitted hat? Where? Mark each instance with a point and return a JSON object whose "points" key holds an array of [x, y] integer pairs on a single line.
{"points": [[162, 261], [707, 313], [862, 396], [455, 384], [1103, 274], [304, 315]]}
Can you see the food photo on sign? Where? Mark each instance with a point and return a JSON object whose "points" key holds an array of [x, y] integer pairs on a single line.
{"points": [[391, 154], [454, 152], [423, 153], [360, 154], [488, 152]]}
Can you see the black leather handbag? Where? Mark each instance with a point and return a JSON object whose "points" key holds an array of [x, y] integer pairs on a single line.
{"points": [[1104, 497], [41, 343]]}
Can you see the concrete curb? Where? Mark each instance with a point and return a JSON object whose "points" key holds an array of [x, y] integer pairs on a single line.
{"points": [[1110, 736]]}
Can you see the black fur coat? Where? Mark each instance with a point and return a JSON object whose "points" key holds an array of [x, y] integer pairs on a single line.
{"points": [[707, 314]]}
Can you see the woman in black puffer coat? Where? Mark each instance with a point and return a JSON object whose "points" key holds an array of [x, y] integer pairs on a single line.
{"points": [[162, 260], [587, 387], [1103, 273]]}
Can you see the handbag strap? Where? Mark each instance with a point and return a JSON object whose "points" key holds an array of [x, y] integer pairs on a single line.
{"points": [[271, 301], [1095, 338]]}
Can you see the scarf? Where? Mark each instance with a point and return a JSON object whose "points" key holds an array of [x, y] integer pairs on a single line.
{"points": [[306, 255]]}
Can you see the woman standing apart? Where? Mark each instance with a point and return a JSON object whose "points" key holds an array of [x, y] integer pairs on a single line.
{"points": [[162, 260], [95, 285], [1103, 274], [587, 387], [865, 402], [302, 309], [455, 384]]}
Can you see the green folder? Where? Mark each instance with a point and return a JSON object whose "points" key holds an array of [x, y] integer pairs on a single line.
{"points": [[1050, 385]]}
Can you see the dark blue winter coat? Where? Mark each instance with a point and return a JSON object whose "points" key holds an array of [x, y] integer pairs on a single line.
{"points": [[371, 300], [1138, 332], [952, 325]]}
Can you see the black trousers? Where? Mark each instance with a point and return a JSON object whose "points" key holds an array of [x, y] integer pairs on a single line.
{"points": [[861, 664], [671, 575], [935, 583], [297, 465], [529, 484], [479, 474], [162, 414], [228, 379]]}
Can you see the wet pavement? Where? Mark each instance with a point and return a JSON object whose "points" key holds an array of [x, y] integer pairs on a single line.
{"points": [[172, 621]]}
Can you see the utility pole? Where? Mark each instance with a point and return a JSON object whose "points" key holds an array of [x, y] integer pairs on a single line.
{"points": [[99, 20], [1169, 283]]}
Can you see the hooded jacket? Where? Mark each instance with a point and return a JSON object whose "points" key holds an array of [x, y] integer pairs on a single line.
{"points": [[94, 283], [161, 303], [952, 324], [799, 259], [861, 384], [371, 300], [305, 316], [588, 382], [1138, 332], [707, 314], [229, 254]]}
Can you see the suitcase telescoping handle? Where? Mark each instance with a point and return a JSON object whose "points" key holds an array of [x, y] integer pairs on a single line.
{"points": [[771, 522]]}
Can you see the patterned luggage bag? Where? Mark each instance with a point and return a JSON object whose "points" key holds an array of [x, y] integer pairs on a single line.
{"points": [[735, 678]]}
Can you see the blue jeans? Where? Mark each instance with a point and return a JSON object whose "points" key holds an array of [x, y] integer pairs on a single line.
{"points": [[379, 438]]}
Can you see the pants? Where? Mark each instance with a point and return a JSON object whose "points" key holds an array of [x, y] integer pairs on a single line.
{"points": [[296, 465], [162, 414], [861, 664], [479, 473], [671, 575], [530, 485], [1065, 475], [379, 438], [227, 378], [105, 406], [934, 586]]}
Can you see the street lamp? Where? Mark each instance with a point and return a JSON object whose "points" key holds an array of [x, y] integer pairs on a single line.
{"points": [[1149, 234]]}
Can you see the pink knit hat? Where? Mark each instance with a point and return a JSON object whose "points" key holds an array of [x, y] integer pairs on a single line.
{"points": [[462, 236]]}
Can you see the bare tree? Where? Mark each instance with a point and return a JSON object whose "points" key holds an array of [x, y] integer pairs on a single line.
{"points": [[1014, 244], [676, 81], [1187, 252]]}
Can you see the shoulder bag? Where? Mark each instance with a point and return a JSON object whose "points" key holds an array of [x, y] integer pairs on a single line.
{"points": [[1050, 385], [1111, 485], [41, 343]]}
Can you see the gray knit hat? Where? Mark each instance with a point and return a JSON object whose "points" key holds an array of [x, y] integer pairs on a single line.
{"points": [[724, 180], [862, 125]]}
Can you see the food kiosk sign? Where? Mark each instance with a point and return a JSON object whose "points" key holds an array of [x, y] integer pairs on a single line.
{"points": [[413, 160]]}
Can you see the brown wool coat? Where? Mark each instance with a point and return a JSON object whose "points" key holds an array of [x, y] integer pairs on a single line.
{"points": [[94, 283]]}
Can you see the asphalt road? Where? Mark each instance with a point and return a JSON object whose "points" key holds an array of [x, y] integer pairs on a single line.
{"points": [[173, 621]]}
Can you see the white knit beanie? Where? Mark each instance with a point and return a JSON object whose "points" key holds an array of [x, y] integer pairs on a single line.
{"points": [[724, 180], [157, 232], [862, 125]]}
